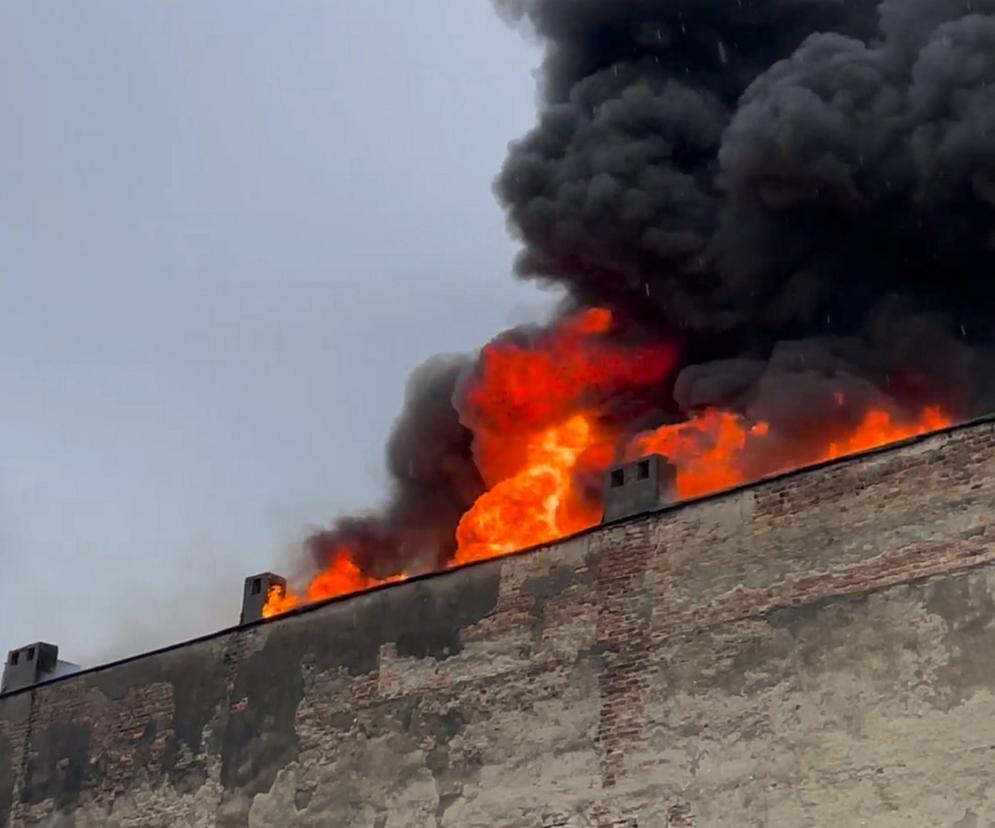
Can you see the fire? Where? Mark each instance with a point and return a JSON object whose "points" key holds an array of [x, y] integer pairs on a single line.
{"points": [[878, 428], [594, 321], [705, 450], [716, 450], [279, 601], [522, 389], [540, 414], [342, 577], [536, 505], [712, 451], [521, 386], [531, 408]]}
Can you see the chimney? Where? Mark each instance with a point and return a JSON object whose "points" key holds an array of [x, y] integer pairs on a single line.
{"points": [[33, 664], [643, 486], [257, 589]]}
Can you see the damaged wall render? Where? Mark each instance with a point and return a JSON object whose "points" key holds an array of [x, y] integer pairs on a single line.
{"points": [[817, 649]]}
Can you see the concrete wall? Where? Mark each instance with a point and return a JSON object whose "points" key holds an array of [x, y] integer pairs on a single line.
{"points": [[816, 650]]}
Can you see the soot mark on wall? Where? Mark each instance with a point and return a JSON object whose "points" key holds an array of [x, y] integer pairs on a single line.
{"points": [[424, 619], [967, 609], [57, 769], [427, 621], [546, 588], [199, 691], [6, 779]]}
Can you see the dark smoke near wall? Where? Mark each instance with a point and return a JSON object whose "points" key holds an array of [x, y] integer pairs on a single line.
{"points": [[433, 481], [802, 192]]}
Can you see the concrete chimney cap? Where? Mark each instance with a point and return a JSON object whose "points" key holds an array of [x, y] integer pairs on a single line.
{"points": [[643, 485], [33, 664], [255, 594]]}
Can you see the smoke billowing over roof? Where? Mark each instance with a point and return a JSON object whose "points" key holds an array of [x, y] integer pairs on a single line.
{"points": [[802, 187], [795, 197]]}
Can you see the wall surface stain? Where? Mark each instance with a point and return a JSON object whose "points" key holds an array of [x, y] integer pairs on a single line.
{"points": [[816, 650]]}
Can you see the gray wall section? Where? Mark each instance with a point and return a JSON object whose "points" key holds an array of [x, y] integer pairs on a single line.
{"points": [[6, 778], [815, 650]]}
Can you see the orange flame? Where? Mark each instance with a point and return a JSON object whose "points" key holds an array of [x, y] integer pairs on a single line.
{"points": [[542, 449], [537, 504], [878, 428], [705, 450], [522, 389], [535, 437], [342, 577], [716, 450], [711, 452], [279, 601]]}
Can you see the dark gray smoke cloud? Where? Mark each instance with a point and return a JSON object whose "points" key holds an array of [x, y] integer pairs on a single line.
{"points": [[433, 481], [802, 190]]}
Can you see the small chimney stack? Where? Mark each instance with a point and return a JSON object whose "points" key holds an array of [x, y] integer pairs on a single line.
{"points": [[257, 590], [33, 664], [643, 486]]}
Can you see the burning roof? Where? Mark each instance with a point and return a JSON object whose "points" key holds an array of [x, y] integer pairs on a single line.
{"points": [[772, 222]]}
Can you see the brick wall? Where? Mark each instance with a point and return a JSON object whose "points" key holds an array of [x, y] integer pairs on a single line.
{"points": [[818, 649]]}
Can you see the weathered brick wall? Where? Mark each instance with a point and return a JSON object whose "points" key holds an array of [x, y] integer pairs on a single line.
{"points": [[815, 650]]}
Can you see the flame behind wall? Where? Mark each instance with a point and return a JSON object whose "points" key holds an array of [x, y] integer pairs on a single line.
{"points": [[551, 434], [773, 223]]}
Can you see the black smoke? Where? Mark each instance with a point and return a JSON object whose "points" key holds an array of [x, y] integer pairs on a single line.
{"points": [[802, 190], [433, 482], [799, 192]]}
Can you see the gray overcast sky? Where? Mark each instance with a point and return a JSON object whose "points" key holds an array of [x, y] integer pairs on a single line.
{"points": [[228, 231]]}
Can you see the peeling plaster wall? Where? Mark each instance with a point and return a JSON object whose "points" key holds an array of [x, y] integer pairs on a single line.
{"points": [[815, 650]]}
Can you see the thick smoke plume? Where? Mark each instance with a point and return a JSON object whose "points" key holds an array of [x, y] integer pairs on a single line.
{"points": [[805, 188], [799, 194], [434, 481]]}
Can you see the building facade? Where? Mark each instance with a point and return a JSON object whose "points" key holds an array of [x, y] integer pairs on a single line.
{"points": [[817, 649]]}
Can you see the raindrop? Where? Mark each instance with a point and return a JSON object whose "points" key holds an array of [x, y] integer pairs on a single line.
{"points": [[647, 286], [723, 54], [963, 330]]}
